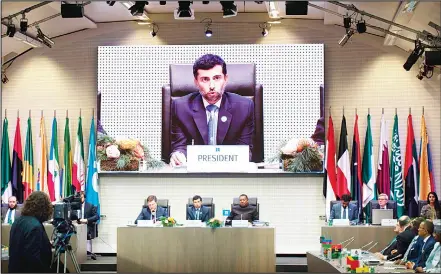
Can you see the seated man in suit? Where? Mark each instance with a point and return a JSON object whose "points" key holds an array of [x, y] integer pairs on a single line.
{"points": [[210, 116], [197, 211], [401, 242], [425, 232], [383, 200], [11, 212], [151, 211], [243, 211], [433, 263], [414, 250], [345, 210]]}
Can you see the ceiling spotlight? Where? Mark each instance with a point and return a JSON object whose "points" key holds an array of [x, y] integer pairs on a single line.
{"points": [[264, 32], [162, 3], [43, 38], [184, 12], [265, 29], [347, 22], [229, 8], [205, 2], [361, 26], [414, 55], [258, 2], [110, 3], [10, 31], [155, 30], [208, 31], [23, 23], [138, 8], [346, 38]]}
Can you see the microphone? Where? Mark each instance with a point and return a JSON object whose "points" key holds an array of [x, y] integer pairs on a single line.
{"points": [[395, 257], [366, 245], [353, 238], [372, 246], [347, 240]]}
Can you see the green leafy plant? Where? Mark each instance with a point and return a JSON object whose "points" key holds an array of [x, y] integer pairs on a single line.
{"points": [[214, 223], [168, 221]]}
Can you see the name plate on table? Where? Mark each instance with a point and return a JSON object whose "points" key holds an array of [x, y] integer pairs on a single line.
{"points": [[239, 223], [193, 223], [146, 223], [209, 158], [388, 222], [340, 222]]}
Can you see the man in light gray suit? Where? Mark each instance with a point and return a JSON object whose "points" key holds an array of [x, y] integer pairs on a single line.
{"points": [[345, 210], [11, 212]]}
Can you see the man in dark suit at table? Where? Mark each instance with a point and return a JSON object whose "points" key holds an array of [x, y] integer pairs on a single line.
{"points": [[210, 116], [345, 210], [243, 211], [383, 200], [197, 211], [151, 211], [10, 212], [425, 232]]}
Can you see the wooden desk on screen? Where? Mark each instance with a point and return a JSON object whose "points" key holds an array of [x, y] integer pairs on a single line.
{"points": [[195, 249], [362, 235], [78, 242]]}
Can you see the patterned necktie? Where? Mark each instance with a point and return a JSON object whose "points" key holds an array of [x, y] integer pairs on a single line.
{"points": [[212, 125], [10, 217]]}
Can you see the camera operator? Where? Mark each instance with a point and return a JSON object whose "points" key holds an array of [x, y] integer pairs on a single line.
{"points": [[29, 246], [88, 215]]}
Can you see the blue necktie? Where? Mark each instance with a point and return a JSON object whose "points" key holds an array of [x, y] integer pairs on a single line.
{"points": [[212, 125], [344, 213], [10, 217], [197, 214]]}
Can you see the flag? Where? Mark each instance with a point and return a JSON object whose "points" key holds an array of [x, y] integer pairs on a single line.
{"points": [[343, 164], [92, 190], [367, 171], [17, 166], [42, 159], [396, 171], [330, 178], [6, 164], [356, 182], [383, 177], [426, 182], [28, 163], [411, 172], [67, 173], [78, 165], [53, 178]]}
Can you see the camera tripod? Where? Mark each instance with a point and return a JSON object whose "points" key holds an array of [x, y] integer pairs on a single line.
{"points": [[63, 232], [66, 249]]}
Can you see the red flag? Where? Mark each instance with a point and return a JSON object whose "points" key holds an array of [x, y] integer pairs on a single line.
{"points": [[330, 178], [17, 166], [343, 164]]}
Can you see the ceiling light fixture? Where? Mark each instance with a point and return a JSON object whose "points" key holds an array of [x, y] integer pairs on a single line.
{"points": [[155, 30], [208, 31], [346, 37], [110, 3], [361, 26], [265, 29], [138, 8], [23, 23], [10, 31], [229, 9], [162, 3], [414, 55], [184, 12], [43, 38]]}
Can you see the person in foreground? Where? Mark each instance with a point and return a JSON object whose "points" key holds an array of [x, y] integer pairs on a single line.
{"points": [[425, 232], [401, 242], [433, 209], [151, 211], [29, 246], [243, 211], [433, 263], [197, 211], [345, 210], [11, 212], [413, 252], [210, 116]]}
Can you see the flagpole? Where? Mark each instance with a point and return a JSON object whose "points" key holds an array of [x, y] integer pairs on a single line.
{"points": [[355, 111], [29, 113], [80, 112], [410, 112], [382, 110], [93, 113], [369, 111], [423, 110], [67, 113], [18, 113], [395, 111], [343, 110], [330, 111], [55, 113], [41, 113], [6, 113]]}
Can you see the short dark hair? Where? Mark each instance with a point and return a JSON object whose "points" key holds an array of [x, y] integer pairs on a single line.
{"points": [[416, 224], [243, 195], [208, 61], [83, 193], [346, 198], [429, 226], [152, 198], [197, 197]]}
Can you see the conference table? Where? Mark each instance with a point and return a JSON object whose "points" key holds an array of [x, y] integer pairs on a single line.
{"points": [[78, 242], [363, 234], [195, 249]]}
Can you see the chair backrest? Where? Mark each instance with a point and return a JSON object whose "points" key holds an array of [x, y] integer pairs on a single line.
{"points": [[390, 205], [241, 80], [207, 202], [251, 200], [162, 203]]}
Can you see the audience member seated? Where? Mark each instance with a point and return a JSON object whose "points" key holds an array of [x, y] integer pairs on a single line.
{"points": [[345, 210], [10, 212], [433, 209], [383, 203], [151, 211], [243, 211], [400, 243], [433, 263], [414, 249], [197, 211], [425, 232]]}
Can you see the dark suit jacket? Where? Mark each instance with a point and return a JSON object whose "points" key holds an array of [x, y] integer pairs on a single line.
{"points": [[425, 252], [402, 243], [203, 216], [29, 247], [189, 122], [147, 215], [352, 212], [91, 214], [243, 213], [415, 251], [5, 208], [377, 206]]}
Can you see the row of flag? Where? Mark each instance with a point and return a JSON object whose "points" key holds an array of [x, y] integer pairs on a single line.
{"points": [[40, 173], [356, 176]]}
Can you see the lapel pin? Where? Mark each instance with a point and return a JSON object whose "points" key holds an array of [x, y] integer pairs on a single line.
{"points": [[224, 119]]}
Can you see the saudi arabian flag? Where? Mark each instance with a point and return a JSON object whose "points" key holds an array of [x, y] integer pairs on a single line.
{"points": [[396, 171], [67, 173], [6, 165]]}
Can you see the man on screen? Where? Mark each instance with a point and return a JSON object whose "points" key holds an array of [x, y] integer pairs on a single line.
{"points": [[197, 211], [243, 211], [210, 116], [151, 211]]}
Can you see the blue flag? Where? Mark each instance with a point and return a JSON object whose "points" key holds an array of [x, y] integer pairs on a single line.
{"points": [[92, 191]]}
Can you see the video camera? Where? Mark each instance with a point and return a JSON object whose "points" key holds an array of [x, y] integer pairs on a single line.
{"points": [[63, 210]]}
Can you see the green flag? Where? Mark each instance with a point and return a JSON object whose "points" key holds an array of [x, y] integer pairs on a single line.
{"points": [[6, 164], [67, 173], [396, 171], [367, 171]]}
